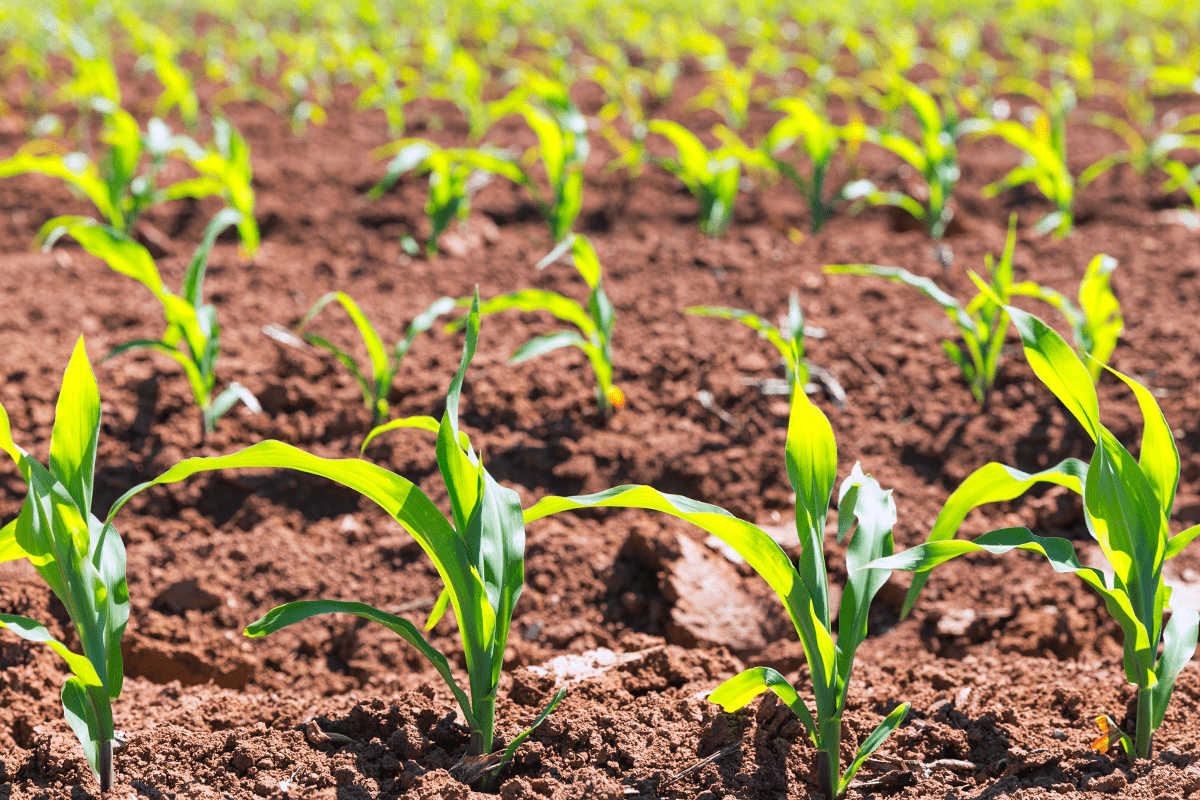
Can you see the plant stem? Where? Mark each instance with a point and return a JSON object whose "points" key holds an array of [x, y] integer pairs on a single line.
{"points": [[829, 757], [1143, 743], [485, 718], [106, 766]]}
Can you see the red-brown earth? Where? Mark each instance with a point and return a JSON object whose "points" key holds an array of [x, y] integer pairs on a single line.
{"points": [[1006, 664]]}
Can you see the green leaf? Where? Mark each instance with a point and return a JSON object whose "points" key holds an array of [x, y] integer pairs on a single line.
{"points": [[693, 156], [193, 279], [869, 745], [33, 631], [540, 345], [75, 169], [750, 320], [200, 387], [1180, 540], [564, 308], [991, 483], [291, 613], [123, 254], [925, 286], [738, 691], [375, 349], [9, 549], [1159, 459], [861, 499], [89, 714], [1179, 645], [810, 454], [76, 429], [460, 469], [1056, 364], [511, 750], [421, 323], [395, 495], [347, 361], [439, 609], [1061, 555], [759, 550]]}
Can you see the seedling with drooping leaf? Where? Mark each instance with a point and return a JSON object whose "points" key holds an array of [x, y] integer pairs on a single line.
{"points": [[982, 324], [1126, 502], [811, 457], [479, 554], [193, 336], [594, 322], [81, 559], [376, 381]]}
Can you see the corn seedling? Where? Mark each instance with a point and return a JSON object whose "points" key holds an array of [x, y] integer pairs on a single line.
{"points": [[933, 155], [159, 53], [80, 559], [1096, 321], [820, 140], [811, 457], [122, 187], [376, 381], [454, 175], [1149, 145], [1044, 144], [788, 339], [981, 322], [192, 337], [594, 322], [1126, 502], [729, 92], [562, 151], [711, 176], [479, 554]]}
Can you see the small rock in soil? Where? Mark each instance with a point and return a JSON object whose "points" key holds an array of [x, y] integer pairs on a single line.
{"points": [[710, 608], [187, 595]]}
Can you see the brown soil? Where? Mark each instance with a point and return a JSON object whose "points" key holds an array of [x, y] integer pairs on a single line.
{"points": [[1005, 663]]}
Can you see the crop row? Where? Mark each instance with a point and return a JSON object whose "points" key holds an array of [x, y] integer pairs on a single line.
{"points": [[917, 99]]}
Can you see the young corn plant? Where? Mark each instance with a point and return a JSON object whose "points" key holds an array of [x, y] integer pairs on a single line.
{"points": [[374, 379], [192, 337], [124, 183], [1044, 144], [479, 554], [788, 339], [594, 322], [981, 322], [811, 457], [1096, 321], [562, 151], [79, 558], [711, 176], [454, 175], [1149, 145], [1127, 503], [821, 140], [933, 155]]}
